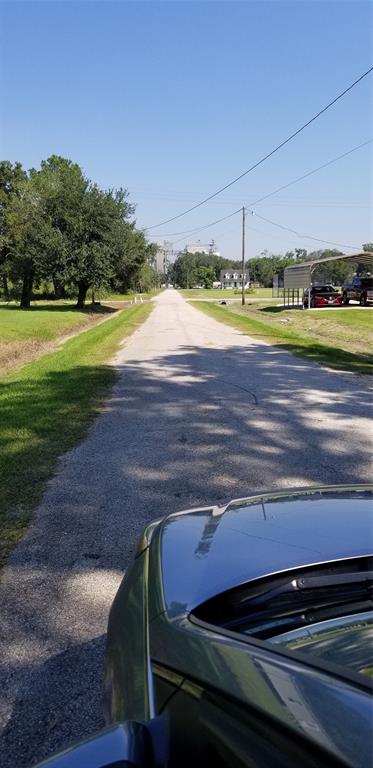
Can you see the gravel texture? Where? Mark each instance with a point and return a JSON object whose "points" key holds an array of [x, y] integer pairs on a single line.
{"points": [[199, 413]]}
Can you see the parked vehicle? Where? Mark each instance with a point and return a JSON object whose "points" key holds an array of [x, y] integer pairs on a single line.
{"points": [[322, 296], [241, 636], [361, 290]]}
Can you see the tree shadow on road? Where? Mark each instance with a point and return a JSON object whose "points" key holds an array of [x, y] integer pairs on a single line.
{"points": [[58, 704], [182, 429]]}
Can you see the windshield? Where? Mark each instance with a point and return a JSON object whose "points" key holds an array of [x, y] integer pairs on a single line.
{"points": [[323, 289], [347, 641], [325, 611]]}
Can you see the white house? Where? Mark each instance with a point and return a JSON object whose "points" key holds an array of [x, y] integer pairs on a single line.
{"points": [[232, 278]]}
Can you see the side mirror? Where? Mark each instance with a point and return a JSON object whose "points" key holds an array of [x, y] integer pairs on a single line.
{"points": [[120, 746]]}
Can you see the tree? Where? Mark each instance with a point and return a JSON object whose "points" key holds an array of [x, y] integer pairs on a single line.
{"points": [[265, 266], [148, 278], [131, 252], [183, 272], [301, 254], [91, 229], [62, 186], [31, 238], [55, 224], [93, 254], [217, 263], [336, 272], [365, 270], [205, 276], [11, 178]]}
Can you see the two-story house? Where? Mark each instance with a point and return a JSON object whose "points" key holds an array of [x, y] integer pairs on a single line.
{"points": [[232, 278]]}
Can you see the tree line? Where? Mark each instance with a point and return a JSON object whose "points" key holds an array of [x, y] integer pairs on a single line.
{"points": [[58, 227], [190, 269]]}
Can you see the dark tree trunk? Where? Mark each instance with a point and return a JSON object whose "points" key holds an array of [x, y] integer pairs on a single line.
{"points": [[83, 288], [28, 280], [6, 287], [59, 289]]}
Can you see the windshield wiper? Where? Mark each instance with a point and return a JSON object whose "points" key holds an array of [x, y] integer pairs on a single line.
{"points": [[302, 584], [301, 601]]}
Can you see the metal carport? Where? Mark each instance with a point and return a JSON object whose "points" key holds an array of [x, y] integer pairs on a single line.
{"points": [[299, 276]]}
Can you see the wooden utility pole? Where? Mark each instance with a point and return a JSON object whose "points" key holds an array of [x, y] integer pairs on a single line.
{"points": [[243, 256]]}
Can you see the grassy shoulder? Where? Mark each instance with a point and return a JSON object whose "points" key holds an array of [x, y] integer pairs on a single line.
{"points": [[24, 334], [130, 296], [224, 293], [45, 409], [307, 334]]}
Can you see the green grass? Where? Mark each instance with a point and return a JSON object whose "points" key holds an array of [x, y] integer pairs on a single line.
{"points": [[26, 333], [119, 297], [43, 321], [226, 293], [131, 296], [307, 334], [45, 409]]}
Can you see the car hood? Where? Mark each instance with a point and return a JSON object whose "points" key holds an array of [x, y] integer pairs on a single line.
{"points": [[205, 552]]}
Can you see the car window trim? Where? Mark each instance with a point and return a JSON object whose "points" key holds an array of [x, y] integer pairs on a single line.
{"points": [[332, 670]]}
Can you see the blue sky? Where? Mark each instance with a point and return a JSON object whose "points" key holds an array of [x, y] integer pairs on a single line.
{"points": [[174, 99]]}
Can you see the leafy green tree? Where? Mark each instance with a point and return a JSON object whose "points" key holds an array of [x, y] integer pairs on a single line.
{"points": [[11, 179], [95, 240], [131, 252], [31, 239], [263, 268], [205, 276], [62, 186], [336, 272], [148, 278], [183, 272], [56, 225], [301, 254], [217, 263]]}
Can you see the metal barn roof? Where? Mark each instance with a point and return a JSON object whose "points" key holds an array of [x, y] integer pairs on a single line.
{"points": [[299, 275]]}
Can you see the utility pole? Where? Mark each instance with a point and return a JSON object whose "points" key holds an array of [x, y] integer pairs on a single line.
{"points": [[243, 256]]}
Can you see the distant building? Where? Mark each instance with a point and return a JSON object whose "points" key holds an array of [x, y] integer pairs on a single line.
{"points": [[198, 247], [232, 278], [163, 256]]}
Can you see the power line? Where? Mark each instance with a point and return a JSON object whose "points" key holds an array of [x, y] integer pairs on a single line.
{"points": [[228, 231], [303, 237], [204, 226], [263, 159], [321, 204], [234, 200], [310, 173], [195, 230]]}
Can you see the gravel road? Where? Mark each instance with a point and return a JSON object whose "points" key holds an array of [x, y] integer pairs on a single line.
{"points": [[199, 413]]}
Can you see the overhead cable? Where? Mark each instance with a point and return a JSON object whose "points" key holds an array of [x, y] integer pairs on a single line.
{"points": [[204, 226], [268, 155], [195, 230], [302, 236], [310, 173]]}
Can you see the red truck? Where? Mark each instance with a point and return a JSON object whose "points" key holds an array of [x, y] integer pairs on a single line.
{"points": [[361, 290]]}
